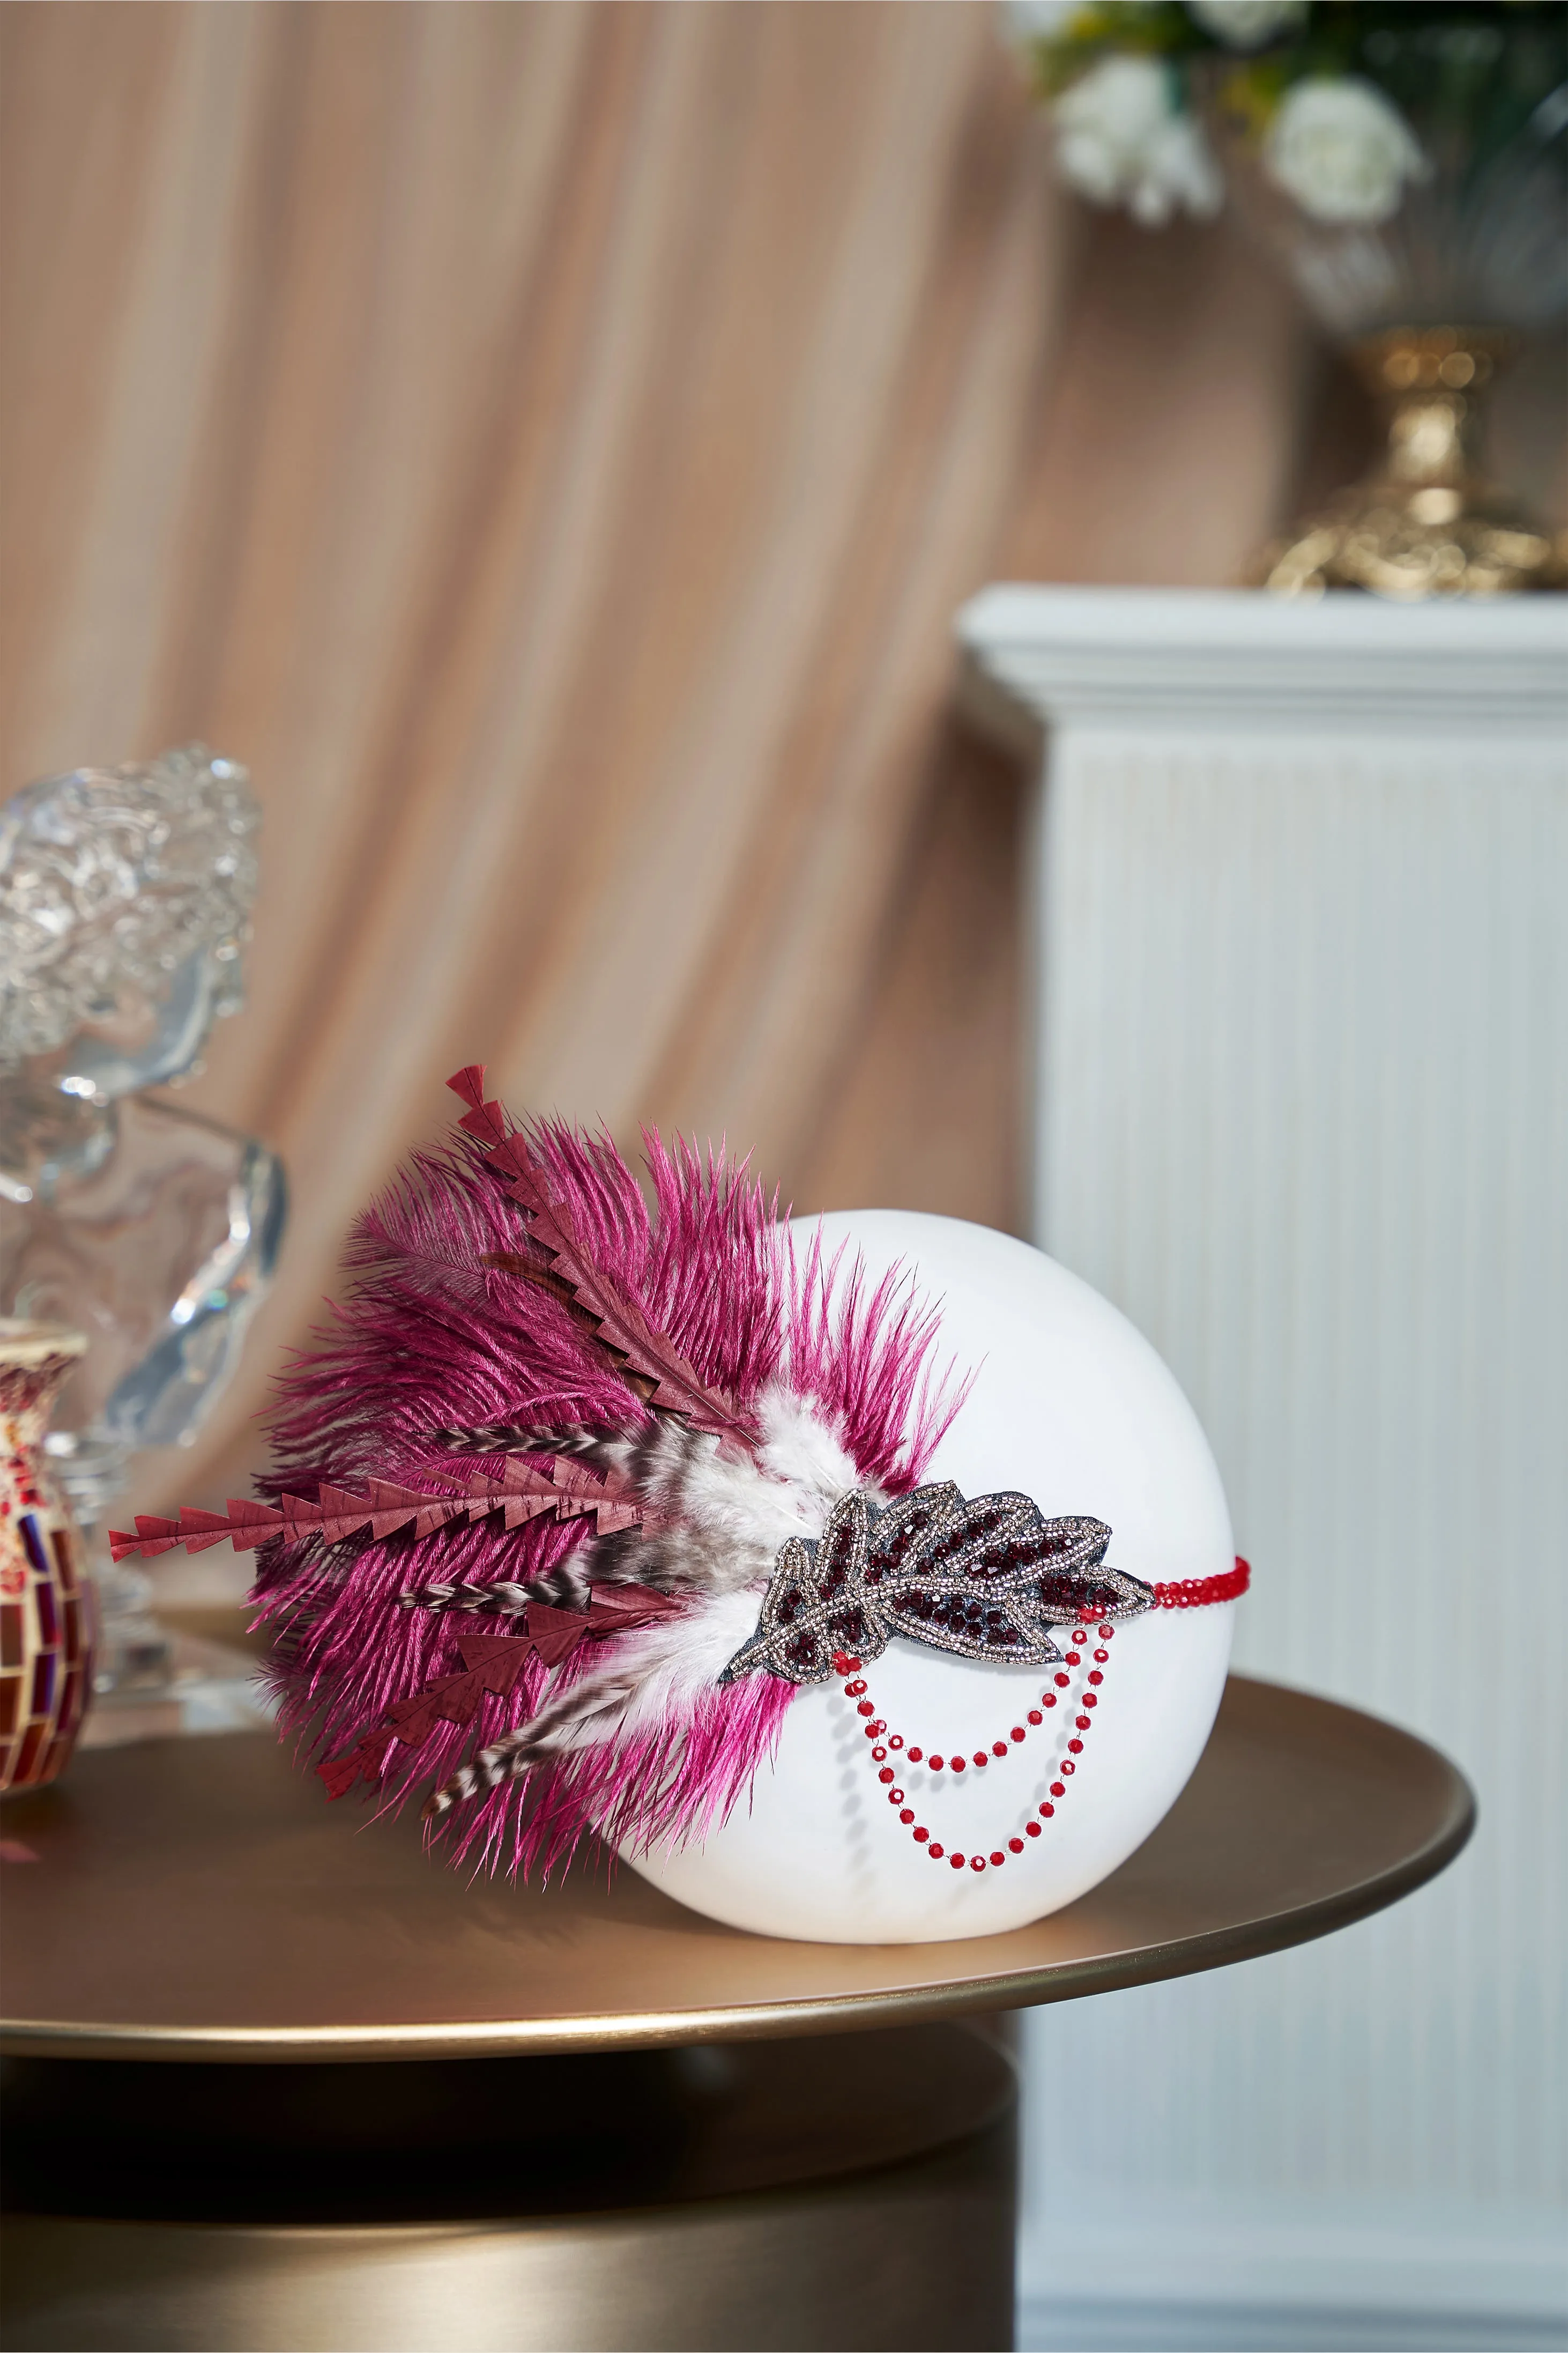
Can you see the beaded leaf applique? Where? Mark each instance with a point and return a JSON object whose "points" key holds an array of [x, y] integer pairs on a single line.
{"points": [[817, 1603], [985, 1579]]}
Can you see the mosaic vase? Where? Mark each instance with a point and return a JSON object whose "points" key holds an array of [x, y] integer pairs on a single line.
{"points": [[45, 1603]]}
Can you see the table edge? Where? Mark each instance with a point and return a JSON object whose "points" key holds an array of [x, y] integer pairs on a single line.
{"points": [[628, 2030]]}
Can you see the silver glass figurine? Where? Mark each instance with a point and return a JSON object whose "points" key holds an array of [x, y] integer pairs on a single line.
{"points": [[125, 896]]}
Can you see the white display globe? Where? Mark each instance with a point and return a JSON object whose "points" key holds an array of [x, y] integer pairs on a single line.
{"points": [[1069, 1404]]}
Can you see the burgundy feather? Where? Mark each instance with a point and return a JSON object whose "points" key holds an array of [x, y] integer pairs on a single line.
{"points": [[619, 1320], [519, 1491]]}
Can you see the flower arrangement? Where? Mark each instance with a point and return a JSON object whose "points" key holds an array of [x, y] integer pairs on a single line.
{"points": [[1406, 161], [1343, 105]]}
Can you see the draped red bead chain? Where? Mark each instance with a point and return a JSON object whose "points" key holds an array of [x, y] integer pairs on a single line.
{"points": [[889, 1746]]}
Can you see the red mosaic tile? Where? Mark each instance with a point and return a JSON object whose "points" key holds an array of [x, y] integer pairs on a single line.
{"points": [[33, 1740], [10, 1633], [65, 1558], [10, 1704], [43, 1684], [48, 1617], [72, 1632]]}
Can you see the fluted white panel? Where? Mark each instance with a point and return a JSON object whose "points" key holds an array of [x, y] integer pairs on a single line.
{"points": [[1302, 1062]]}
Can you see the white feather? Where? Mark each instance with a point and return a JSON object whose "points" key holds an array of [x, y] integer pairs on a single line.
{"points": [[734, 1513], [728, 1497], [800, 1448], [789, 1490], [673, 1663]]}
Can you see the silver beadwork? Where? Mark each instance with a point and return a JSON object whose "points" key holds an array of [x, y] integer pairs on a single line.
{"points": [[985, 1579]]}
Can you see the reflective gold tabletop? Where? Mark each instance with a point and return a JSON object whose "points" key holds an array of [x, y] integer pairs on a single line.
{"points": [[198, 1899]]}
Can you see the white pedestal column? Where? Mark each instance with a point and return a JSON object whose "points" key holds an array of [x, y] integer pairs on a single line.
{"points": [[1300, 892]]}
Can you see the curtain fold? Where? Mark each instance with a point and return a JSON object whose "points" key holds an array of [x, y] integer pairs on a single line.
{"points": [[547, 444]]}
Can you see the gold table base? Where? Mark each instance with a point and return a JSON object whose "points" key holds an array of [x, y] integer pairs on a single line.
{"points": [[549, 2162], [823, 2192]]}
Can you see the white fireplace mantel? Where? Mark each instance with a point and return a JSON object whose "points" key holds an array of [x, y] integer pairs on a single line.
{"points": [[1299, 881], [1228, 656]]}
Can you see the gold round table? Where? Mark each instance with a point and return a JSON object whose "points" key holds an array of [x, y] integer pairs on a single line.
{"points": [[579, 2117]]}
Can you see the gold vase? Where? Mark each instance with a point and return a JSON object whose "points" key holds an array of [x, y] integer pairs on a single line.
{"points": [[1426, 522]]}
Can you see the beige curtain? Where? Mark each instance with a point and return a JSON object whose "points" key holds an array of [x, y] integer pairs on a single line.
{"points": [[548, 442]]}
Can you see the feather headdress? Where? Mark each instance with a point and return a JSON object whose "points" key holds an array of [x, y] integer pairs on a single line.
{"points": [[580, 1487]]}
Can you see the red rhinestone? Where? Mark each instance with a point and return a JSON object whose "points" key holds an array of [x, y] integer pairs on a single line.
{"points": [[1080, 1634], [999, 1747], [1017, 1734], [956, 1861], [1083, 1722], [865, 1707], [1094, 1675], [936, 1763], [1035, 1716], [877, 1727], [935, 1850], [1015, 1846], [854, 1689], [915, 1756], [1074, 1659], [1061, 1683], [1058, 1790], [895, 1797], [886, 1775], [895, 1740], [841, 1663], [922, 1834], [907, 1816], [1032, 1829], [1075, 1747], [977, 1862], [980, 1758], [958, 1763], [998, 1858], [1047, 1809], [1067, 1764], [1048, 1699], [1090, 1700], [879, 1755], [1106, 1632]]}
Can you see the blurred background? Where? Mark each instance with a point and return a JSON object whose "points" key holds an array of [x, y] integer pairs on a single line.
{"points": [[548, 444]]}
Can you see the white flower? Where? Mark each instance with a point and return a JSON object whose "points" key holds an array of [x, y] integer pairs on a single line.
{"points": [[1246, 23], [1343, 151], [1121, 138], [1026, 21]]}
